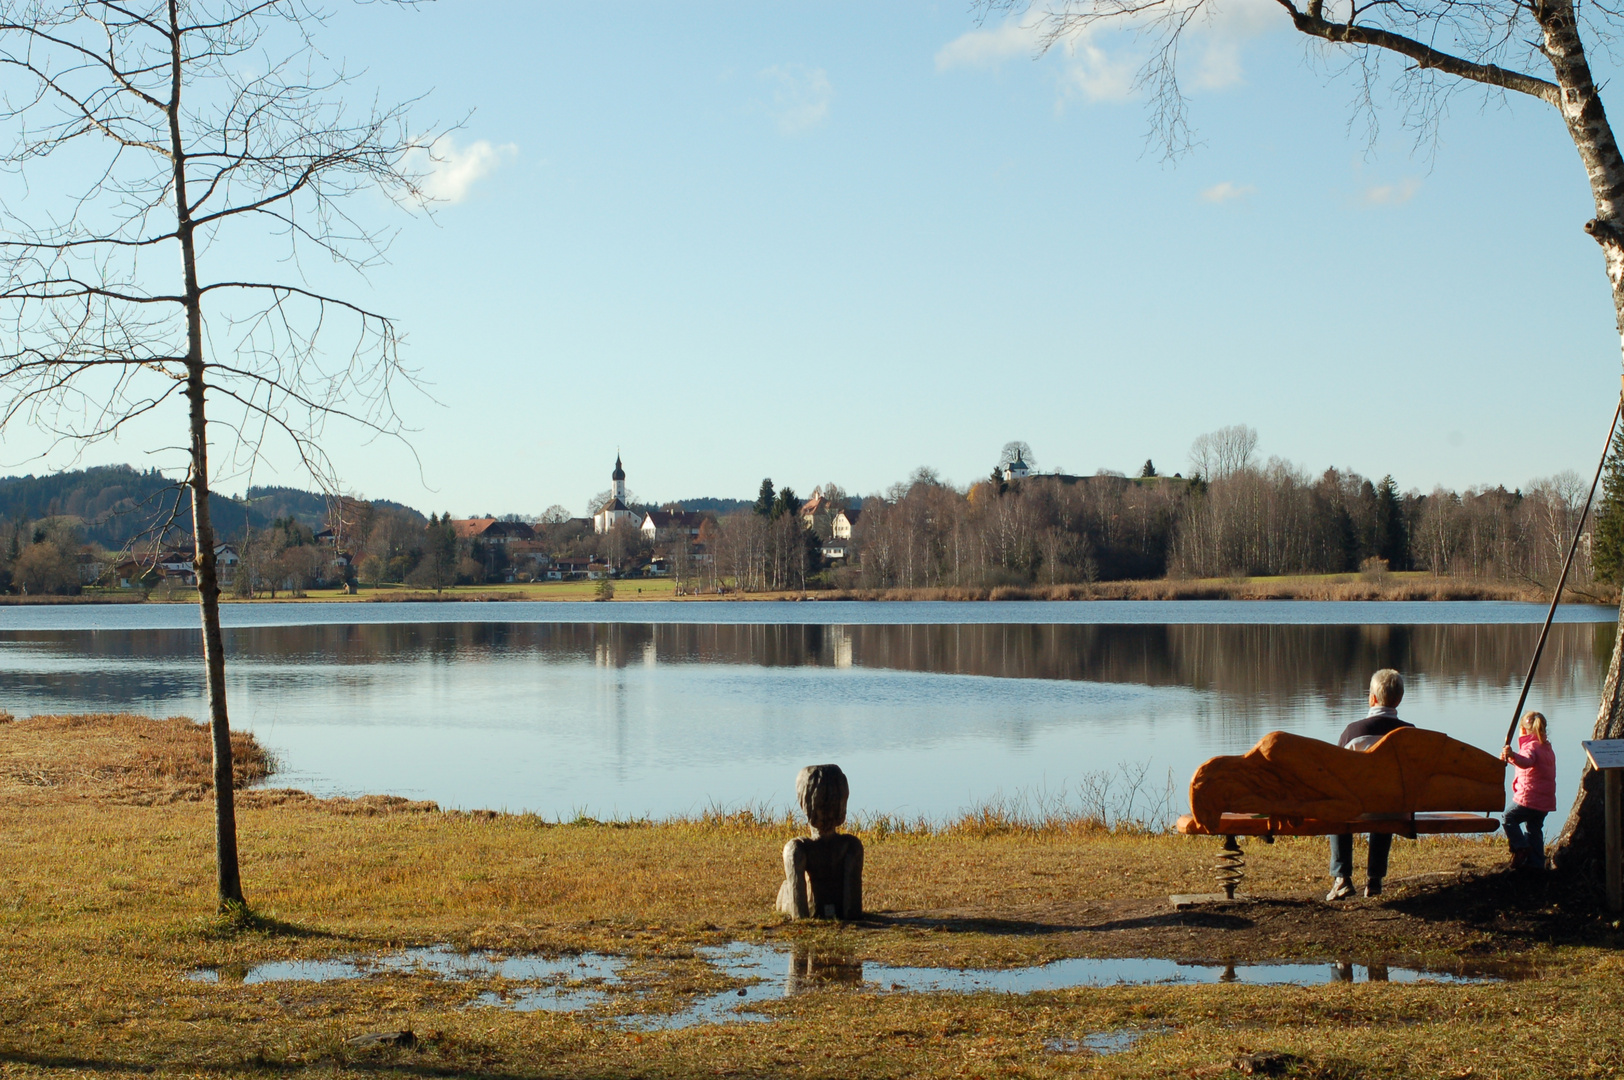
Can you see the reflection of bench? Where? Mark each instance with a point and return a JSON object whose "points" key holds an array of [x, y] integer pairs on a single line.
{"points": [[1411, 782]]}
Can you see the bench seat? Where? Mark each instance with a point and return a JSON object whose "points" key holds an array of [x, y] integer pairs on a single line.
{"points": [[1398, 824]]}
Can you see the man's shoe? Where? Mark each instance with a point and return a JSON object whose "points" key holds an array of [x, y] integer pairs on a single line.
{"points": [[1341, 889], [1373, 887], [1519, 858]]}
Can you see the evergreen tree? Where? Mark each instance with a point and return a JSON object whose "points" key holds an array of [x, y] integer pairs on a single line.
{"points": [[764, 500], [1392, 540], [787, 502], [1607, 533], [1149, 468]]}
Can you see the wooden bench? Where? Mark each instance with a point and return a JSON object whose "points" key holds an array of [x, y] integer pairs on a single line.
{"points": [[1411, 782]]}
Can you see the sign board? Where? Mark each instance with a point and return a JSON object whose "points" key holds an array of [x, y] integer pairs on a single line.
{"points": [[1605, 753]]}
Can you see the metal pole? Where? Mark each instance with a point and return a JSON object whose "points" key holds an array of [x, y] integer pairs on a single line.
{"points": [[1556, 597]]}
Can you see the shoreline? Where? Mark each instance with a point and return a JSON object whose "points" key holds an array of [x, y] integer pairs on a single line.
{"points": [[1416, 587]]}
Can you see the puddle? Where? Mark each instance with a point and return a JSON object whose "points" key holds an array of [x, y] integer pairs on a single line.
{"points": [[582, 983], [1101, 1043], [563, 983]]}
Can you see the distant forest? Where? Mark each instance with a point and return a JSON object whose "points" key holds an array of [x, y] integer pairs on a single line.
{"points": [[111, 505], [1232, 516]]}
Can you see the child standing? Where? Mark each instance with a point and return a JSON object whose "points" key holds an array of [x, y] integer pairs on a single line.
{"points": [[1533, 791]]}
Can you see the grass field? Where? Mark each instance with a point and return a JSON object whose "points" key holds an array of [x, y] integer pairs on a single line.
{"points": [[106, 904]]}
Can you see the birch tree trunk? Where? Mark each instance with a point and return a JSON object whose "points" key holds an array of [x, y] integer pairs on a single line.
{"points": [[1578, 847]]}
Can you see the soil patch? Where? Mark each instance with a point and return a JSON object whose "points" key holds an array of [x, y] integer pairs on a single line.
{"points": [[1490, 922]]}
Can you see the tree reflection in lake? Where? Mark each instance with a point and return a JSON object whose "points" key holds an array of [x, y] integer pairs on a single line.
{"points": [[559, 717]]}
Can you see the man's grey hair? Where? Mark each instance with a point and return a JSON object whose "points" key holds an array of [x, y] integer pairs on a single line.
{"points": [[1387, 687]]}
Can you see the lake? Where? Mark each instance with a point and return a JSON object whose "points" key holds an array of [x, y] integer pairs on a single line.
{"points": [[634, 709]]}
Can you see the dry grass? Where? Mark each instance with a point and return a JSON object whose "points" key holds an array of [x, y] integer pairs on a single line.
{"points": [[1404, 586], [104, 900], [1411, 585], [119, 757]]}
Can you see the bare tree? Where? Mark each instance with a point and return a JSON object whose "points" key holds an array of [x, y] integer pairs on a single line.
{"points": [[1534, 48], [1016, 450], [162, 142], [1220, 454]]}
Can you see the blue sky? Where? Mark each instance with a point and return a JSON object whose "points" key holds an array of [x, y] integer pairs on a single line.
{"points": [[838, 242]]}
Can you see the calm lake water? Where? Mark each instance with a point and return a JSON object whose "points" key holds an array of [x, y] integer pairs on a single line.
{"points": [[660, 708]]}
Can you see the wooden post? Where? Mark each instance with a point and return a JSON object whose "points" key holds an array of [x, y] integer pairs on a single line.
{"points": [[1613, 805], [1607, 757]]}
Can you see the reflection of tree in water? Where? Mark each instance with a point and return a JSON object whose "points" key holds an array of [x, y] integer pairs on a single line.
{"points": [[1262, 665]]}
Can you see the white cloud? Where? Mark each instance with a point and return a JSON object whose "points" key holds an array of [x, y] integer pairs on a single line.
{"points": [[1218, 67], [1391, 194], [450, 171], [1212, 45], [801, 97], [988, 48], [1225, 191], [1096, 75]]}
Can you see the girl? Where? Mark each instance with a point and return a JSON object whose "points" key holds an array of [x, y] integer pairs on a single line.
{"points": [[1533, 791]]}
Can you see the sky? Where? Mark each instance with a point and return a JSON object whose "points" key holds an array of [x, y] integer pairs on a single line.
{"points": [[837, 242]]}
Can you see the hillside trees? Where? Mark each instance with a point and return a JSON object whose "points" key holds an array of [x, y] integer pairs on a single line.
{"points": [[180, 157], [1530, 48]]}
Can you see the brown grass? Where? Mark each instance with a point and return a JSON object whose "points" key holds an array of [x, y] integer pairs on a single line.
{"points": [[105, 901], [1409, 586], [121, 757]]}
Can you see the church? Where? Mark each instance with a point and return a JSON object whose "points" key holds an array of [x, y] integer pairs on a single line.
{"points": [[615, 511]]}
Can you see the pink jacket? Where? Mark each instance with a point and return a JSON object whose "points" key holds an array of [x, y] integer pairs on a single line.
{"points": [[1534, 786]]}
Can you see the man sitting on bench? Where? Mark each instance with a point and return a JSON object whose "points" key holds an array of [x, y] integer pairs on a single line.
{"points": [[1386, 691]]}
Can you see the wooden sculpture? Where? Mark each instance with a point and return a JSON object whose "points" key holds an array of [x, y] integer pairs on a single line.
{"points": [[1411, 782], [823, 873]]}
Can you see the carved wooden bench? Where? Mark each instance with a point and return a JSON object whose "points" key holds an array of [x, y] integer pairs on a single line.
{"points": [[1412, 782]]}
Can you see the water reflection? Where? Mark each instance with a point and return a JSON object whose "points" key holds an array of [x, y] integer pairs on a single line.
{"points": [[638, 719], [1254, 662], [814, 969]]}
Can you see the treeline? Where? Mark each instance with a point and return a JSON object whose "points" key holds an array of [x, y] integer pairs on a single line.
{"points": [[1232, 517]]}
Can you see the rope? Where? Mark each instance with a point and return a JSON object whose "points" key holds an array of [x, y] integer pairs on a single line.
{"points": [[1556, 598]]}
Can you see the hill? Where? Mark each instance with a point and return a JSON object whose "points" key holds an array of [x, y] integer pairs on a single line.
{"points": [[113, 504]]}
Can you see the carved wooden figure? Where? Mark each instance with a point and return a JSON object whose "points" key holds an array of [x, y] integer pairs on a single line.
{"points": [[823, 873]]}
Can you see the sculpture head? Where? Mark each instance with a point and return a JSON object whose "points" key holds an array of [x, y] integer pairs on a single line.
{"points": [[822, 792]]}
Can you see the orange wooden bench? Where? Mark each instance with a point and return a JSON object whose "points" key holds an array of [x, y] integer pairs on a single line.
{"points": [[1412, 782]]}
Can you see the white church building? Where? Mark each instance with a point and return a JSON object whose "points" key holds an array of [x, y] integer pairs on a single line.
{"points": [[615, 511]]}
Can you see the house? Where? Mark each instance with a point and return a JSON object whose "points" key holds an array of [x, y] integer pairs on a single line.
{"points": [[840, 528], [176, 564], [1017, 469], [528, 555], [661, 525], [566, 568], [226, 563], [131, 573], [615, 512], [836, 549], [91, 567]]}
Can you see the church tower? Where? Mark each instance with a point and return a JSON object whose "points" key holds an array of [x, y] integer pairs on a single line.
{"points": [[615, 510]]}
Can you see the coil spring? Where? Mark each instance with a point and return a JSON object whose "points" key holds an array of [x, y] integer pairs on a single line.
{"points": [[1231, 867]]}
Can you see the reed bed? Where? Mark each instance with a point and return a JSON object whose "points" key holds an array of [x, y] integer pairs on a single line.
{"points": [[1341, 587]]}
